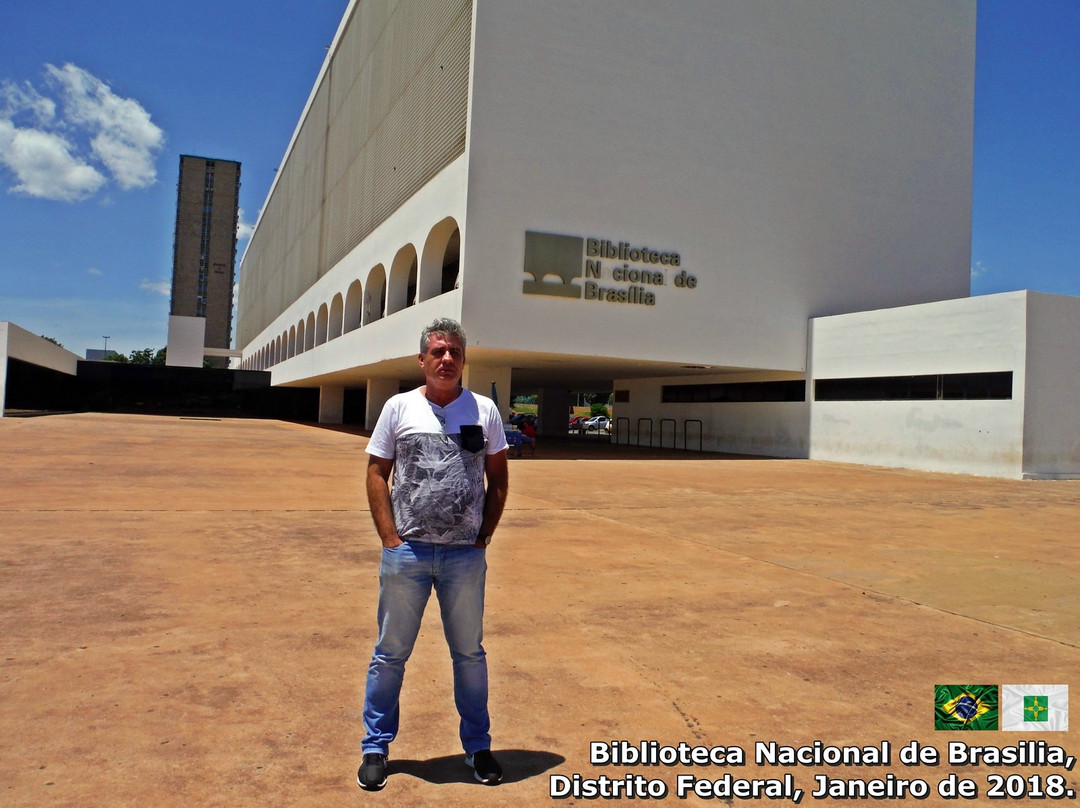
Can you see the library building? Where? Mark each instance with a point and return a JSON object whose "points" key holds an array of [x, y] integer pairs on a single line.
{"points": [[750, 223]]}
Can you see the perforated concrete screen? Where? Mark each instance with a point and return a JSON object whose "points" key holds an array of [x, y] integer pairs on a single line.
{"points": [[388, 114]]}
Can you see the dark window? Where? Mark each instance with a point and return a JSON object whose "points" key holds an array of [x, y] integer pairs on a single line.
{"points": [[746, 392], [934, 387]]}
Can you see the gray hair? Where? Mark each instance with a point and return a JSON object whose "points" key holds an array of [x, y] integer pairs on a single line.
{"points": [[443, 327]]}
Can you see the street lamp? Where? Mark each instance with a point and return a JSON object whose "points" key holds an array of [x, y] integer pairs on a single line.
{"points": [[106, 343]]}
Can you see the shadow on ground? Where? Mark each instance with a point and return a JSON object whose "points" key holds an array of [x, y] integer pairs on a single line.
{"points": [[518, 765]]}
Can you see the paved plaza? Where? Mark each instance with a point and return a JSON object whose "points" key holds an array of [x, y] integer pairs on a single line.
{"points": [[187, 609]]}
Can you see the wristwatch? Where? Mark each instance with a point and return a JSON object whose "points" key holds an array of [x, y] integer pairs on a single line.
{"points": [[484, 539]]}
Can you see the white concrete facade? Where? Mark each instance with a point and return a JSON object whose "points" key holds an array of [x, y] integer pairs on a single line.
{"points": [[187, 336], [793, 154], [1052, 388], [795, 159], [635, 196], [1035, 433], [955, 336]]}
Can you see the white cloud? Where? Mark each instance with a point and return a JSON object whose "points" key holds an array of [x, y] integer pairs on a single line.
{"points": [[45, 165], [95, 272], [17, 100], [125, 139], [243, 229], [159, 288], [58, 157], [978, 270]]}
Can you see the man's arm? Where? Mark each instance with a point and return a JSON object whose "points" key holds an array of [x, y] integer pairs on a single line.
{"points": [[378, 493], [497, 472]]}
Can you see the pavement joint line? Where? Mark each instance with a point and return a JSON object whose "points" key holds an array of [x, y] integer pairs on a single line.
{"points": [[849, 585], [693, 724]]}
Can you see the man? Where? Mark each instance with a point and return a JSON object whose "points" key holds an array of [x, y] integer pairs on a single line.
{"points": [[440, 442]]}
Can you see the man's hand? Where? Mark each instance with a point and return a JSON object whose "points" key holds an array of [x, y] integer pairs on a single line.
{"points": [[497, 472]]}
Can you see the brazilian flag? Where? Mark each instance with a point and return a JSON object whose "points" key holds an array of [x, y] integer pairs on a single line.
{"points": [[966, 707]]}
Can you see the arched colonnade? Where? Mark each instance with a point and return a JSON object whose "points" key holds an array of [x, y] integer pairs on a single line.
{"points": [[412, 278]]}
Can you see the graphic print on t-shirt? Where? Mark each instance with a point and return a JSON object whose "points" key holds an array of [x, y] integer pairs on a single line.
{"points": [[438, 491]]}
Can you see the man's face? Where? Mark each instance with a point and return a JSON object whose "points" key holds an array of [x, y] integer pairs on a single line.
{"points": [[444, 361]]}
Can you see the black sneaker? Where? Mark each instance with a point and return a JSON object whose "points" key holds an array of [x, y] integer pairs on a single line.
{"points": [[485, 767], [372, 773]]}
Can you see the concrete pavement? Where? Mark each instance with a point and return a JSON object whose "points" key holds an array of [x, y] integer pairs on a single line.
{"points": [[187, 609]]}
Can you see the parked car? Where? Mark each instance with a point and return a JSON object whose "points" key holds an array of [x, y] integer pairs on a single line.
{"points": [[598, 423], [576, 421]]}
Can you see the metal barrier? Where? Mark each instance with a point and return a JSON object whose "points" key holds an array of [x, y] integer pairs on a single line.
{"points": [[621, 429], [674, 429], [686, 439], [649, 422]]}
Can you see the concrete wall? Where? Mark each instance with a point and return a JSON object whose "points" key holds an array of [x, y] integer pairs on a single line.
{"points": [[773, 429], [972, 335], [1052, 387], [18, 343], [186, 341], [804, 157]]}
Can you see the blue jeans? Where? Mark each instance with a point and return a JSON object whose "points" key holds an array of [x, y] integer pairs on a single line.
{"points": [[406, 576]]}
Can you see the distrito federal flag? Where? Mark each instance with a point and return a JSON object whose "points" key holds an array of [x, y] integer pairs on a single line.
{"points": [[1035, 708]]}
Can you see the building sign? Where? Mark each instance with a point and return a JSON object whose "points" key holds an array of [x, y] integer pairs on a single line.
{"points": [[601, 269]]}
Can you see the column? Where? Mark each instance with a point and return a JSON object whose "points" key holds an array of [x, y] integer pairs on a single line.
{"points": [[480, 378], [553, 411], [331, 404]]}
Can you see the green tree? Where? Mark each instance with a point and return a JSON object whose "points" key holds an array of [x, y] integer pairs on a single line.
{"points": [[112, 356], [53, 340]]}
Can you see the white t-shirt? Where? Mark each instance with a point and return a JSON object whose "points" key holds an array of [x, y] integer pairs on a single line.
{"points": [[438, 452]]}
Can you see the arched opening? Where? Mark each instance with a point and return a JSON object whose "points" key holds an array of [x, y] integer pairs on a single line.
{"points": [[451, 264], [321, 321], [300, 346], [337, 311], [309, 338], [440, 264], [375, 294], [292, 342], [354, 305], [402, 291]]}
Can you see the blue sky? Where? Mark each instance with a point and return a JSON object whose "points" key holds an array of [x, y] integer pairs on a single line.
{"points": [[98, 100]]}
